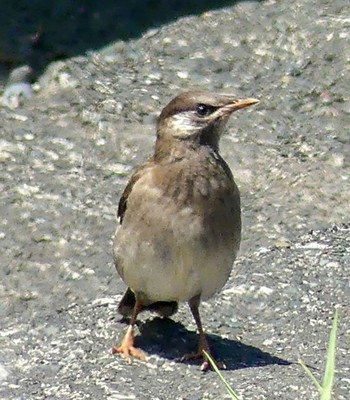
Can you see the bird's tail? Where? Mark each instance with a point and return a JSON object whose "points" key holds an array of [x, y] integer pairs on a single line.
{"points": [[163, 308]]}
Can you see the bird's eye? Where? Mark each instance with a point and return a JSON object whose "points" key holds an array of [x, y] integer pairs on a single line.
{"points": [[203, 110]]}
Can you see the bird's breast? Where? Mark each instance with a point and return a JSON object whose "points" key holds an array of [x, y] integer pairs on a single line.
{"points": [[180, 232]]}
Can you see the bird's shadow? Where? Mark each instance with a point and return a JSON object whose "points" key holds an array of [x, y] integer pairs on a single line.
{"points": [[170, 339]]}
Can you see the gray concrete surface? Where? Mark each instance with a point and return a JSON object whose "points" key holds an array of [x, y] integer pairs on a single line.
{"points": [[66, 153]]}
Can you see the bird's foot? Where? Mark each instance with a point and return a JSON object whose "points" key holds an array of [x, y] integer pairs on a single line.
{"points": [[197, 356], [206, 365], [127, 347], [129, 351]]}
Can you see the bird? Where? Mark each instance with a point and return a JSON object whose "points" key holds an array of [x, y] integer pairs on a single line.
{"points": [[179, 217]]}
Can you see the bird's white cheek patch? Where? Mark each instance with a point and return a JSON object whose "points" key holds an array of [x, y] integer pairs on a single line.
{"points": [[183, 125]]}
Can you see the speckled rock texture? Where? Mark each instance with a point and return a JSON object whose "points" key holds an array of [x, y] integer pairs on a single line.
{"points": [[67, 152]]}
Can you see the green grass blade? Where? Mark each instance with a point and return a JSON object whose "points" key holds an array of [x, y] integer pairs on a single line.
{"points": [[330, 365], [229, 389], [311, 375]]}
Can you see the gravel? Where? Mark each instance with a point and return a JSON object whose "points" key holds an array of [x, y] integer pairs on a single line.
{"points": [[67, 152]]}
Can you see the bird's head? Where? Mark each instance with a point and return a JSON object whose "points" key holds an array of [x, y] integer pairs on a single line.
{"points": [[197, 118]]}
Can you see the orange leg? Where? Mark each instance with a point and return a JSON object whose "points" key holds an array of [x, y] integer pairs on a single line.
{"points": [[127, 346], [203, 342]]}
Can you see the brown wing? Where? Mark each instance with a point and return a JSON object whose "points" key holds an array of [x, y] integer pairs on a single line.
{"points": [[123, 202]]}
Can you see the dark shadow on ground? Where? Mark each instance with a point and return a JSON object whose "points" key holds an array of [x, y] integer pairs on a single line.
{"points": [[38, 32], [171, 340]]}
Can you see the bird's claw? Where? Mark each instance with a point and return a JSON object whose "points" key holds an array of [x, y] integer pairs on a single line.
{"points": [[206, 365], [128, 352]]}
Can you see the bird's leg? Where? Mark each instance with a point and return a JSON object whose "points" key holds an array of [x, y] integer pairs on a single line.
{"points": [[203, 344], [127, 346]]}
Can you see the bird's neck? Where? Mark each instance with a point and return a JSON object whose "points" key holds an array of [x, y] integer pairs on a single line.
{"points": [[172, 150]]}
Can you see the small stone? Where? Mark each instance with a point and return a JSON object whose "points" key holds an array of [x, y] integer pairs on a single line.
{"points": [[16, 94], [3, 373], [183, 74]]}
